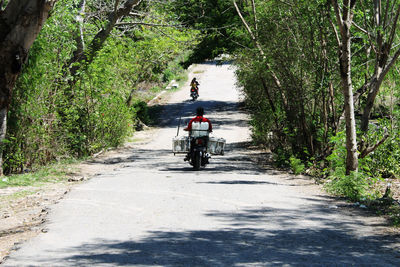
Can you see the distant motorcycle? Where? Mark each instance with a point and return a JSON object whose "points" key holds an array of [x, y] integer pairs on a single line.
{"points": [[194, 94]]}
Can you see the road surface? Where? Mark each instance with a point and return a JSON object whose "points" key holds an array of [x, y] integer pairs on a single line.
{"points": [[156, 211]]}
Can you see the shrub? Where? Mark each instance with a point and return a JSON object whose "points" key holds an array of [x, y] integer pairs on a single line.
{"points": [[142, 111], [296, 165], [353, 186]]}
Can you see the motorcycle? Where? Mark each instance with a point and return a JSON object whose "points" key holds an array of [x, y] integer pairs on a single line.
{"points": [[194, 93], [198, 156], [198, 147]]}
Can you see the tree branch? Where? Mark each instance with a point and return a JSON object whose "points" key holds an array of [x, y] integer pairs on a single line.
{"points": [[394, 27], [116, 5], [149, 24], [346, 11], [137, 14], [253, 37], [336, 32], [253, 5], [391, 63], [385, 17], [361, 29], [371, 149]]}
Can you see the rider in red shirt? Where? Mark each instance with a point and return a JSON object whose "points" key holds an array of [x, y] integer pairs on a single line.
{"points": [[199, 118]]}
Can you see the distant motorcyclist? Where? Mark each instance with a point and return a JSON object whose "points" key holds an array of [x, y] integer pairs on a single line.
{"points": [[194, 85]]}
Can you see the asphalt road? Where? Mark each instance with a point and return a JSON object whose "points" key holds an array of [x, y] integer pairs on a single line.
{"points": [[156, 211]]}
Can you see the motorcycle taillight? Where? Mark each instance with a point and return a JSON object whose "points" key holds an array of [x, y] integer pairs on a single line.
{"points": [[199, 141]]}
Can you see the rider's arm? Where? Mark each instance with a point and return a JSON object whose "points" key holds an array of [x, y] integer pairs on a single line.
{"points": [[189, 127], [209, 125]]}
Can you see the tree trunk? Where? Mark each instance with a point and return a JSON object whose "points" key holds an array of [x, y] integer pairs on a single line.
{"points": [[20, 23], [351, 137], [3, 131], [373, 92], [345, 21]]}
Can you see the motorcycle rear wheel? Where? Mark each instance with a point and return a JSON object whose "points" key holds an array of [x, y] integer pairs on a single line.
{"points": [[197, 161]]}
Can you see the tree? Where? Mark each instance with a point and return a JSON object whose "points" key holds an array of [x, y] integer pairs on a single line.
{"points": [[380, 33], [84, 55], [379, 30], [344, 20], [20, 23], [378, 27]]}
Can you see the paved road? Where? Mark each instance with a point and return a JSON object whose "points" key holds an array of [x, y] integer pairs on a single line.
{"points": [[157, 212]]}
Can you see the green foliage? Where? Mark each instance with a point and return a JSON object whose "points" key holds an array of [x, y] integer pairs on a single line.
{"points": [[354, 186], [288, 99], [54, 115], [281, 157], [337, 158], [357, 185], [385, 160], [142, 111], [296, 165], [216, 19]]}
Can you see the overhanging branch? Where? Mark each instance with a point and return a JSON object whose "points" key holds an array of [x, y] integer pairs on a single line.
{"points": [[371, 149], [150, 24]]}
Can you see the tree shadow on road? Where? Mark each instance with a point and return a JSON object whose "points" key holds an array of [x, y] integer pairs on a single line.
{"points": [[250, 238], [234, 161], [235, 182], [167, 115]]}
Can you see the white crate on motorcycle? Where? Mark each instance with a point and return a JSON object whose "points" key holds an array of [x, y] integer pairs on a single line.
{"points": [[216, 145], [180, 144], [200, 129]]}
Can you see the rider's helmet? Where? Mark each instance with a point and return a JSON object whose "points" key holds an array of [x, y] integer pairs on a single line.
{"points": [[200, 111]]}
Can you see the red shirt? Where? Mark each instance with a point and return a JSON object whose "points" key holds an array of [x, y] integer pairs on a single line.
{"points": [[198, 119]]}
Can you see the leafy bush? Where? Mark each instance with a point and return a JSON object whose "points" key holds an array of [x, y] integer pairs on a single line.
{"points": [[336, 160], [281, 157], [142, 111], [296, 165], [353, 186], [385, 160]]}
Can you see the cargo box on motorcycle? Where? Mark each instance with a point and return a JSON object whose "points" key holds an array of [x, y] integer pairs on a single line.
{"points": [[180, 144], [215, 146]]}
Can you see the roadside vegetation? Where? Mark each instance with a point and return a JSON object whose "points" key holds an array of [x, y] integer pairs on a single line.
{"points": [[51, 173], [86, 81]]}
